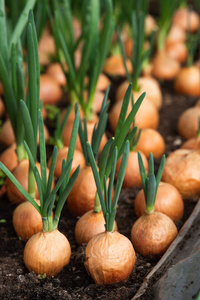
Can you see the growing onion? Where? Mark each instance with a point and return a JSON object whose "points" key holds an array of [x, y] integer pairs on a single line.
{"points": [[153, 233], [186, 19], [151, 141], [50, 91], [168, 201], [56, 72], [89, 225], [188, 122], [47, 252], [187, 81], [26, 220], [132, 174], [109, 258], [9, 157], [114, 66], [182, 169]]}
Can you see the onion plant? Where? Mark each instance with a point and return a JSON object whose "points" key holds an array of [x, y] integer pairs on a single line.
{"points": [[123, 133], [139, 56], [150, 183], [109, 206], [166, 11], [64, 183], [11, 71], [94, 45]]}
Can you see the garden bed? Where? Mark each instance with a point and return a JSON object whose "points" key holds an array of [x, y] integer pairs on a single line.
{"points": [[73, 282]]}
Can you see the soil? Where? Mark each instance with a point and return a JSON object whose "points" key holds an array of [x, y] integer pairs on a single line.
{"points": [[73, 281]]}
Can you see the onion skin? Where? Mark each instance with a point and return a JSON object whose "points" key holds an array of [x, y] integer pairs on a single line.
{"points": [[132, 176], [176, 35], [56, 72], [26, 220], [187, 81], [147, 84], [177, 51], [114, 66], [149, 25], [164, 67], [50, 91], [46, 47], [184, 17], [146, 116], [110, 258], [21, 174], [192, 144], [103, 82], [82, 195], [78, 159], [151, 141], [47, 253], [89, 225], [168, 201], [182, 169], [188, 122], [9, 158], [90, 126], [152, 234]]}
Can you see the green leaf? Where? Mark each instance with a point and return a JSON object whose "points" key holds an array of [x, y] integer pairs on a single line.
{"points": [[19, 187], [142, 172]]}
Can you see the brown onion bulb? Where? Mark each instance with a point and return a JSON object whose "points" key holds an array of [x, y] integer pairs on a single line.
{"points": [[168, 201], [56, 72], [188, 122], [26, 220], [103, 82], [46, 47], [151, 141], [149, 25], [47, 252], [21, 174], [147, 84], [78, 159], [175, 35], [177, 51], [164, 67], [82, 195], [186, 19], [187, 81], [152, 234], [132, 176], [146, 116], [192, 144], [9, 157], [50, 91], [89, 225], [114, 66], [110, 258], [90, 126], [182, 169]]}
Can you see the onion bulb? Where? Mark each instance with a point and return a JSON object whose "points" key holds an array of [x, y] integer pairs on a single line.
{"points": [[110, 258], [26, 220], [188, 122], [151, 141], [152, 234], [132, 176], [168, 201], [47, 252], [89, 225], [182, 169], [187, 81]]}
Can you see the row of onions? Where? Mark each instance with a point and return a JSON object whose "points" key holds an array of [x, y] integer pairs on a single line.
{"points": [[75, 172]]}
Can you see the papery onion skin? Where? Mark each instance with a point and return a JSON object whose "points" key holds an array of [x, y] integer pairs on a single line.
{"points": [[168, 201], [89, 225], [187, 81], [151, 141], [82, 195], [132, 176], [110, 258], [78, 159], [47, 253], [147, 114], [152, 234], [188, 122], [21, 174], [26, 220], [182, 169]]}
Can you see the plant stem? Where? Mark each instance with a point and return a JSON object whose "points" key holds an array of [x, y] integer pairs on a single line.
{"points": [[97, 204], [31, 183], [21, 152]]}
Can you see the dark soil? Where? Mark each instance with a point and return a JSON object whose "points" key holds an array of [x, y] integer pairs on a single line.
{"points": [[73, 281]]}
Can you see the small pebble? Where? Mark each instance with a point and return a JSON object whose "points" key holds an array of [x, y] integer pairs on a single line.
{"points": [[21, 278]]}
